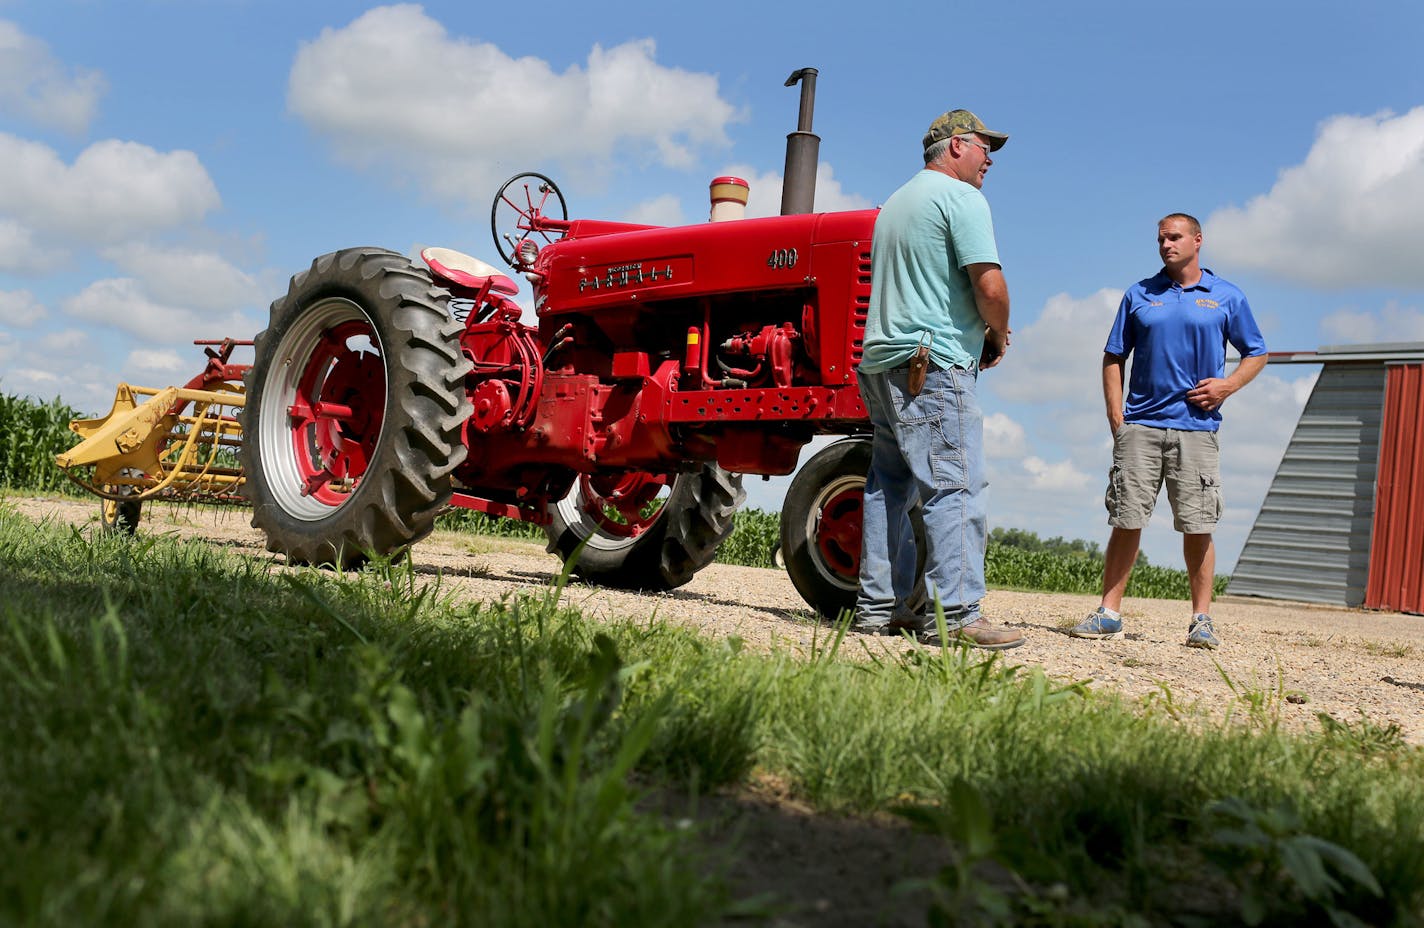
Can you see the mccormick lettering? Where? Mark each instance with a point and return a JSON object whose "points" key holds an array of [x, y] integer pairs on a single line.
{"points": [[618, 276]]}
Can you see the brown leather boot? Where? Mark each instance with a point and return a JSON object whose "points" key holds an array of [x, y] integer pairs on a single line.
{"points": [[978, 634]]}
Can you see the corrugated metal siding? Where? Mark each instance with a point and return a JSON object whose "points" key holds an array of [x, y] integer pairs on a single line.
{"points": [[1311, 540], [1397, 568]]}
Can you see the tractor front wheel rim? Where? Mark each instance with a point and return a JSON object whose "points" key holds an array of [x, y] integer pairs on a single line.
{"points": [[323, 408]]}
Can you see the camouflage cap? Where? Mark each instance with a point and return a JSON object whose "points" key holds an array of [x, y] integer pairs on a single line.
{"points": [[960, 122]]}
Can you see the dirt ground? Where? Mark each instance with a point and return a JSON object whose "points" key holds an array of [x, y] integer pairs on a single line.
{"points": [[1308, 659]]}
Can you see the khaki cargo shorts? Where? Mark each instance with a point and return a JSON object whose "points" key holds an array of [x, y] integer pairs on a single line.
{"points": [[1144, 458]]}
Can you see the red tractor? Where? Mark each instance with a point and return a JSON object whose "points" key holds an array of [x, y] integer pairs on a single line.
{"points": [[665, 363]]}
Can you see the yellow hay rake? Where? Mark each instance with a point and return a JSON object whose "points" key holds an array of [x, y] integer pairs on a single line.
{"points": [[174, 443]]}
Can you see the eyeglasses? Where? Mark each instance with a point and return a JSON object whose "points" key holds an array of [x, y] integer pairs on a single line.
{"points": [[988, 152]]}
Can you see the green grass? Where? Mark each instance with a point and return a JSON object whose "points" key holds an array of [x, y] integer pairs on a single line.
{"points": [[191, 737]]}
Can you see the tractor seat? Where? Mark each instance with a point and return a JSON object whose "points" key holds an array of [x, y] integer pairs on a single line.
{"points": [[465, 271]]}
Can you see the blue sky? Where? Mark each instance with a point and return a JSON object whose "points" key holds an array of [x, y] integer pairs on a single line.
{"points": [[165, 167]]}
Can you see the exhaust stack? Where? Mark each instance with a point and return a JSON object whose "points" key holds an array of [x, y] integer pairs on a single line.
{"points": [[803, 150]]}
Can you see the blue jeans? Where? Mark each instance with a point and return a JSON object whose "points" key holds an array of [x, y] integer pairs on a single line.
{"points": [[926, 450]]}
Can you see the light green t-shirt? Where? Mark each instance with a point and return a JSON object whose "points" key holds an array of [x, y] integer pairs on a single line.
{"points": [[926, 234]]}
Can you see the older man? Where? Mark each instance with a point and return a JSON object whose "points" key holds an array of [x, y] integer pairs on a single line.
{"points": [[939, 313]]}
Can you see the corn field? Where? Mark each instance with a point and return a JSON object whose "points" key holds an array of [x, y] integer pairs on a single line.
{"points": [[478, 523], [1006, 566], [755, 535], [31, 434]]}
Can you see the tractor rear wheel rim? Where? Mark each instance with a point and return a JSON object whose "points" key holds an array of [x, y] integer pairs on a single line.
{"points": [[835, 522], [324, 404], [628, 496]]}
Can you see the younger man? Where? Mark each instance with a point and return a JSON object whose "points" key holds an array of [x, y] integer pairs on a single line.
{"points": [[1175, 325]]}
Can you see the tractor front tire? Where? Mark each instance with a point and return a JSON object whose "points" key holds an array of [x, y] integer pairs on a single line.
{"points": [[355, 410], [821, 528], [694, 520]]}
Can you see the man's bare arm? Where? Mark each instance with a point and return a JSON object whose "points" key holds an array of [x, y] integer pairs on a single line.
{"points": [[991, 297], [1212, 392], [1114, 368]]}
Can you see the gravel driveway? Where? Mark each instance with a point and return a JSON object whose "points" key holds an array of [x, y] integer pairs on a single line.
{"points": [[1307, 659]]}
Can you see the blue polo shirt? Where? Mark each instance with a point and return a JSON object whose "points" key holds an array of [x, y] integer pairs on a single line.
{"points": [[1177, 337], [927, 233]]}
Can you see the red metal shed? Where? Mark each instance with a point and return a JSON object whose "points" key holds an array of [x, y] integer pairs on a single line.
{"points": [[1343, 521], [1397, 542]]}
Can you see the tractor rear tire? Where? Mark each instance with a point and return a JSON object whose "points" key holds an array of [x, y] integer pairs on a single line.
{"points": [[695, 519], [821, 528], [365, 333]]}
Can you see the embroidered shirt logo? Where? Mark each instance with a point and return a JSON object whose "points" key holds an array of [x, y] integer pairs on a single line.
{"points": [[1208, 304], [1155, 303]]}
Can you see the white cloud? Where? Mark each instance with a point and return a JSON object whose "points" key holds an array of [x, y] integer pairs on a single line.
{"points": [[764, 198], [1061, 475], [1256, 425], [18, 252], [457, 114], [20, 309], [1003, 437], [33, 377], [123, 303], [112, 191], [1393, 323], [665, 210], [168, 365], [65, 341], [1347, 216], [34, 85], [1059, 356], [185, 277], [72, 365]]}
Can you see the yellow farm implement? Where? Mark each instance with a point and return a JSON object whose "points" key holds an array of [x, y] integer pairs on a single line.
{"points": [[172, 443]]}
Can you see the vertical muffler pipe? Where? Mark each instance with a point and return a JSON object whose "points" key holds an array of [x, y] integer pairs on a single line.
{"points": [[803, 151]]}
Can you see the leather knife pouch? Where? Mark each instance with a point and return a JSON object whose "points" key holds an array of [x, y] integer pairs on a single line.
{"points": [[919, 368]]}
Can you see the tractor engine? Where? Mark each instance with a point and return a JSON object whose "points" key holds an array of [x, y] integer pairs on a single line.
{"points": [[732, 343]]}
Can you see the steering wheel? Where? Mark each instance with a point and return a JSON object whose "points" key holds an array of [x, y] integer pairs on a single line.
{"points": [[522, 209]]}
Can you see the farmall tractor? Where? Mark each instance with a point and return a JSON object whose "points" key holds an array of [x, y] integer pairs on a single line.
{"points": [[665, 364]]}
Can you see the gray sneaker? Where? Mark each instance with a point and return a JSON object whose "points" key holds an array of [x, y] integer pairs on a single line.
{"points": [[1098, 625], [1201, 634]]}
